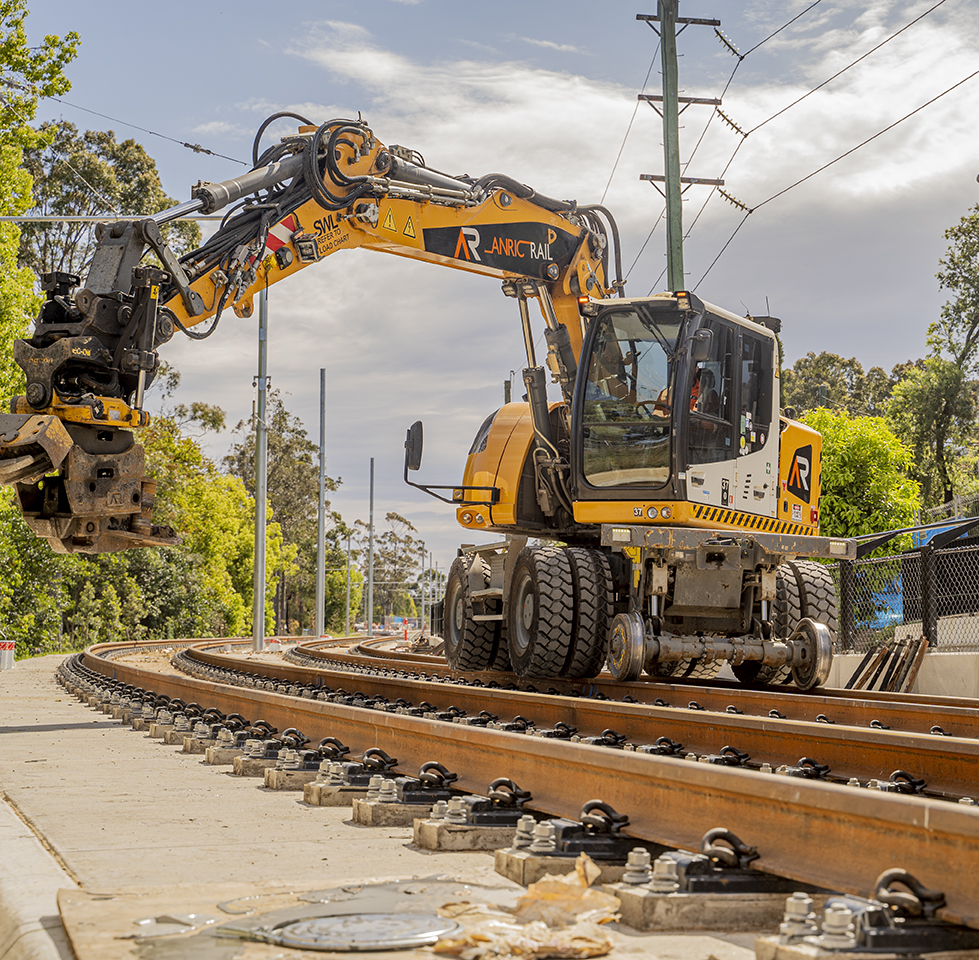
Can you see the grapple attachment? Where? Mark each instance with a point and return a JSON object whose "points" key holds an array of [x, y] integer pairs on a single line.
{"points": [[82, 488]]}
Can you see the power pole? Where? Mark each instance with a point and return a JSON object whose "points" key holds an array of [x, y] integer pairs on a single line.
{"points": [[261, 476], [347, 618], [673, 183]]}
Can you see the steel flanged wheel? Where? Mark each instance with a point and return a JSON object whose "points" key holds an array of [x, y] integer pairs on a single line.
{"points": [[626, 652], [814, 656]]}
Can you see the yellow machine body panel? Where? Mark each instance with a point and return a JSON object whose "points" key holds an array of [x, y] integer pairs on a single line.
{"points": [[800, 475], [497, 459]]}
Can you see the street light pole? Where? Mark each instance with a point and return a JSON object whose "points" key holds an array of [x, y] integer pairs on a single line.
{"points": [[261, 476], [320, 627]]}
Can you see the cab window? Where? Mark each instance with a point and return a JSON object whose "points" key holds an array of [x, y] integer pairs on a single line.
{"points": [[628, 399], [710, 436]]}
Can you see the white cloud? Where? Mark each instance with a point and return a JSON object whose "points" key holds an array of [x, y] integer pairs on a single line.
{"points": [[551, 45], [219, 128]]}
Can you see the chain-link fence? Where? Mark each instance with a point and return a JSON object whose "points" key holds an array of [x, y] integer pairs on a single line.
{"points": [[926, 592], [957, 508]]}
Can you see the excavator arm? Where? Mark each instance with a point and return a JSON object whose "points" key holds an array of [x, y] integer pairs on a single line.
{"points": [[67, 446]]}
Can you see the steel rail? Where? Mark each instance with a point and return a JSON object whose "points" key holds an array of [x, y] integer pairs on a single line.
{"points": [[949, 766], [814, 832], [915, 713]]}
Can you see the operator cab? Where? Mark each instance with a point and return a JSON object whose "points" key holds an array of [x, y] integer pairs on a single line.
{"points": [[675, 401]]}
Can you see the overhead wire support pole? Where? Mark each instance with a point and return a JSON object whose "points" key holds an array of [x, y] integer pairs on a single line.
{"points": [[261, 476], [370, 562], [671, 145], [320, 627], [666, 17], [347, 616]]}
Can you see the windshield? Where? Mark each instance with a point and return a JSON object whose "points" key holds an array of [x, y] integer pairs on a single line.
{"points": [[626, 415]]}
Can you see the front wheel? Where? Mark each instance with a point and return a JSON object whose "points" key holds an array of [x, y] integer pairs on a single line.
{"points": [[540, 612], [469, 645]]}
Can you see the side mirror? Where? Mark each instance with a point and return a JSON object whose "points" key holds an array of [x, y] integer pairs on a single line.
{"points": [[700, 344], [413, 446]]}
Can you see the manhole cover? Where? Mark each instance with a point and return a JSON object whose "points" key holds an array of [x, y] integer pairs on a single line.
{"points": [[366, 931]]}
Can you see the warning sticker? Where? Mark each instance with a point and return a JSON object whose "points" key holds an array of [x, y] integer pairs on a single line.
{"points": [[389, 223], [409, 230], [797, 512]]}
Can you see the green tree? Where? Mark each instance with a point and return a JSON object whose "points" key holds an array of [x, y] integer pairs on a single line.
{"points": [[829, 380], [933, 411], [86, 619], [865, 483], [89, 175], [26, 74], [940, 421], [293, 494], [397, 564], [336, 598]]}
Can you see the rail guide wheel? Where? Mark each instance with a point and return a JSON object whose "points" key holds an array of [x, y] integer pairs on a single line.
{"points": [[814, 655]]}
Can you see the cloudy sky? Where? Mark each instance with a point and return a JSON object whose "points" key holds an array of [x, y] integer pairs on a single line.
{"points": [[546, 92]]}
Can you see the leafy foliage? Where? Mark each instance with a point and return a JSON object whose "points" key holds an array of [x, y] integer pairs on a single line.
{"points": [[829, 380], [933, 411], [90, 175], [26, 74], [397, 565], [293, 494], [865, 482]]}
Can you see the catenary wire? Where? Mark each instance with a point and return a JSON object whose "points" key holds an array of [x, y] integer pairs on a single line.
{"points": [[798, 101], [826, 166], [196, 147]]}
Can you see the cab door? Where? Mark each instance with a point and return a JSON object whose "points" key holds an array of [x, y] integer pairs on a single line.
{"points": [[756, 425]]}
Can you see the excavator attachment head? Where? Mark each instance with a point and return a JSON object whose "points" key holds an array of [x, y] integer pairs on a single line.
{"points": [[82, 488], [31, 446]]}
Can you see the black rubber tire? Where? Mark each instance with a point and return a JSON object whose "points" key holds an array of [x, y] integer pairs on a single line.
{"points": [[668, 669], [469, 646], [540, 612], [592, 603], [803, 588], [699, 669], [817, 590]]}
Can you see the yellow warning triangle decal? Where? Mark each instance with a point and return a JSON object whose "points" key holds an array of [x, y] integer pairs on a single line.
{"points": [[409, 230], [389, 223]]}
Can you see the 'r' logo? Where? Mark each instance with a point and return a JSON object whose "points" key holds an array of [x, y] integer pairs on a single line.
{"points": [[467, 244], [799, 470]]}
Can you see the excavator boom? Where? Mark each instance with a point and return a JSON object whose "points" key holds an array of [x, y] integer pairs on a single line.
{"points": [[67, 444]]}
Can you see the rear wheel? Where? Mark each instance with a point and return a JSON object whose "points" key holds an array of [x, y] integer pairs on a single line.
{"points": [[469, 645], [592, 600], [540, 612], [803, 588]]}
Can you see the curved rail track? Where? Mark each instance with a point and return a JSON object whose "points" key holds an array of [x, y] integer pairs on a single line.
{"points": [[818, 823]]}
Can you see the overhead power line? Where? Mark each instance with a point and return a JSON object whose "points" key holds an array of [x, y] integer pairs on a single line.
{"points": [[635, 110], [781, 28], [745, 134], [840, 73], [196, 147], [826, 166]]}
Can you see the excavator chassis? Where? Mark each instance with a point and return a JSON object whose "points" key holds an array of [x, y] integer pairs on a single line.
{"points": [[669, 601]]}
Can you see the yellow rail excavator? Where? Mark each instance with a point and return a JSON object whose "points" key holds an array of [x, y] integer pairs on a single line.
{"points": [[660, 515]]}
